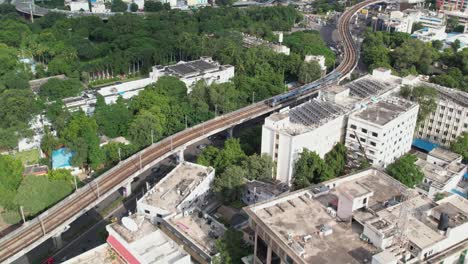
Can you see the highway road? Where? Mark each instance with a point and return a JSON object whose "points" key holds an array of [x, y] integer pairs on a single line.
{"points": [[12, 245]]}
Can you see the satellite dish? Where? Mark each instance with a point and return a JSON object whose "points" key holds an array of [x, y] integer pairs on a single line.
{"points": [[129, 224]]}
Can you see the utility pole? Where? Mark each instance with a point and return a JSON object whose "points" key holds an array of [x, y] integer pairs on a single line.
{"points": [[216, 110], [152, 137], [253, 97], [76, 185], [171, 144], [42, 225], [97, 188], [22, 214], [139, 155], [120, 158], [186, 124]]}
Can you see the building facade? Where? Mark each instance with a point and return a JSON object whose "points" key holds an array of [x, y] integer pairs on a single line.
{"points": [[315, 125], [450, 118], [383, 131]]}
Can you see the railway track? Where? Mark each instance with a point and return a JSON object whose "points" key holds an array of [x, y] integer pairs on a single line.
{"points": [[85, 196]]}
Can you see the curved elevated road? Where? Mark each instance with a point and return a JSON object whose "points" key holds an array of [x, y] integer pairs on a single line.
{"points": [[26, 237]]}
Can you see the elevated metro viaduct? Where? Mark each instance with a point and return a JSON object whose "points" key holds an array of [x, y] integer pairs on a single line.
{"points": [[53, 222]]}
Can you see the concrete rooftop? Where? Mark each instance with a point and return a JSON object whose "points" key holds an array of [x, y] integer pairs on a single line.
{"points": [[385, 111], [176, 185]]}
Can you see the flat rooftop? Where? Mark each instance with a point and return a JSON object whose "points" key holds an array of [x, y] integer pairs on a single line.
{"points": [[293, 216], [176, 185], [299, 216], [445, 155], [434, 172], [144, 228], [102, 254], [454, 95], [385, 111], [368, 86], [456, 208], [306, 117], [195, 67], [149, 243], [200, 229], [266, 187]]}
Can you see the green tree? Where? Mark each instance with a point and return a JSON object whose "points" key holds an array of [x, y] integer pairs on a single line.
{"points": [[309, 72], [133, 7], [231, 248], [231, 154], [460, 145], [258, 167], [208, 156], [310, 169], [17, 107], [118, 6], [335, 159], [55, 89], [437, 44], [145, 124], [113, 120], [61, 175], [153, 6], [81, 137], [417, 26], [11, 172], [406, 171], [49, 142], [15, 80], [229, 184]]}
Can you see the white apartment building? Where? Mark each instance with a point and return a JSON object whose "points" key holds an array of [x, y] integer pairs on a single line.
{"points": [[126, 90], [430, 34], [449, 120], [383, 131], [315, 125], [181, 190], [397, 21], [442, 170], [193, 71]]}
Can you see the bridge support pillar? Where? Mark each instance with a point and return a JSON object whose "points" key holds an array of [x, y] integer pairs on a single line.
{"points": [[58, 242], [127, 189], [230, 132]]}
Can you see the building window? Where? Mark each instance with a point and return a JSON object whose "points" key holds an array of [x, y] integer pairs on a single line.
{"points": [[450, 110], [373, 143], [465, 125], [371, 152], [449, 118], [352, 136], [455, 128], [375, 134], [363, 139], [353, 126], [437, 130], [457, 120], [445, 133], [276, 155], [431, 121], [442, 108], [364, 201], [447, 125], [147, 212], [364, 130], [441, 115], [420, 133], [459, 112], [454, 136], [439, 123], [429, 128], [435, 138]]}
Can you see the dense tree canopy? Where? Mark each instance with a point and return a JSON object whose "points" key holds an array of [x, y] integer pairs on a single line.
{"points": [[406, 171], [460, 145], [406, 55], [231, 248], [311, 169], [55, 89]]}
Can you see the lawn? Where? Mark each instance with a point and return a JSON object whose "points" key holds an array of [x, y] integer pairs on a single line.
{"points": [[28, 157]]}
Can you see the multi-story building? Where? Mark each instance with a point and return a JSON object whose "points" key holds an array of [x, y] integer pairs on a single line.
{"points": [[189, 72], [193, 71], [368, 217], [321, 123], [315, 125], [182, 190], [397, 21], [442, 170], [450, 118], [430, 34], [383, 131]]}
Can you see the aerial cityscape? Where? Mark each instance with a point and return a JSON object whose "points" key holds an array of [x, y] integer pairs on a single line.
{"points": [[233, 131]]}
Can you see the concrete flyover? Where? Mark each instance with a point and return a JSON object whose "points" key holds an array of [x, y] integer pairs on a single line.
{"points": [[53, 221]]}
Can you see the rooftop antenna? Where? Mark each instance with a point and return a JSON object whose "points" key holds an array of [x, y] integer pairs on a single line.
{"points": [[400, 238]]}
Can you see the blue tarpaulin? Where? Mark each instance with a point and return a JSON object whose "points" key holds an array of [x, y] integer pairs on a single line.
{"points": [[424, 144]]}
